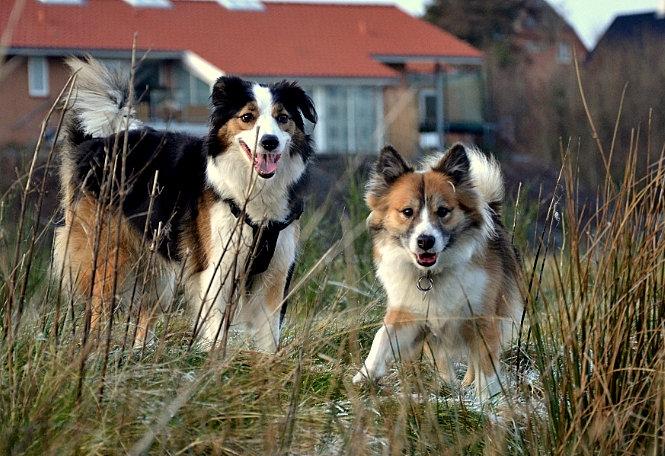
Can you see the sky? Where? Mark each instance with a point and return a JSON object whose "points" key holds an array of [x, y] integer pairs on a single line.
{"points": [[592, 17], [589, 17]]}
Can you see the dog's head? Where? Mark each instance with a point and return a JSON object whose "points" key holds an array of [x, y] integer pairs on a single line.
{"points": [[261, 124], [435, 217]]}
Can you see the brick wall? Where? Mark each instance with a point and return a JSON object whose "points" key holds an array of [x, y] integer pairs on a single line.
{"points": [[21, 115]]}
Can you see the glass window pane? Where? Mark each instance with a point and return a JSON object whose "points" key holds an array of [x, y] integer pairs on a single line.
{"points": [[336, 130], [200, 92], [364, 116], [37, 76]]}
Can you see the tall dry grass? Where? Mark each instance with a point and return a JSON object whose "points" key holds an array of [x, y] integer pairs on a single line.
{"points": [[587, 374]]}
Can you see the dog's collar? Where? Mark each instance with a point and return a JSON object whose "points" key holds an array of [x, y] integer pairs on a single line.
{"points": [[265, 236], [425, 282], [297, 208]]}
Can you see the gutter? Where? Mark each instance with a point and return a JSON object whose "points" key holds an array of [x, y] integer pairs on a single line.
{"points": [[98, 53], [440, 59]]}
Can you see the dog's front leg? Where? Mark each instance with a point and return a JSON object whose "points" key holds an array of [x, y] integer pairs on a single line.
{"points": [[213, 296], [262, 313], [400, 337]]}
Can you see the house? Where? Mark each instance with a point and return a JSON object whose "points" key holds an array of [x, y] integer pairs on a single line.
{"points": [[545, 40], [532, 81], [376, 73], [630, 35], [627, 69]]}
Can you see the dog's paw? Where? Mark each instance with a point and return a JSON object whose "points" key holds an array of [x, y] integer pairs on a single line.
{"points": [[489, 389], [149, 341], [360, 377]]}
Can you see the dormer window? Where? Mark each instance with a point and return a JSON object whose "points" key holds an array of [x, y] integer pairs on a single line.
{"points": [[149, 3], [242, 5], [62, 2]]}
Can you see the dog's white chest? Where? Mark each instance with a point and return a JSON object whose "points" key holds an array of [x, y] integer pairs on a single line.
{"points": [[458, 292], [455, 293], [231, 238]]}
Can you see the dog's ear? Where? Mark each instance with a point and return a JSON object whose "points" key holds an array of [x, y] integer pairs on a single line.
{"points": [[296, 101], [455, 164], [389, 167], [227, 89]]}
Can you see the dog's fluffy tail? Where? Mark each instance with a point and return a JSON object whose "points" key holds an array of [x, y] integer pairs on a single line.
{"points": [[486, 176], [99, 106]]}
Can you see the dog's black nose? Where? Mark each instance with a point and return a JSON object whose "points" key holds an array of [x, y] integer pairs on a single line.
{"points": [[269, 142], [425, 241]]}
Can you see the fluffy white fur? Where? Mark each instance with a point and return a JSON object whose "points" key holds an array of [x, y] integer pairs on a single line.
{"points": [[101, 106], [485, 173], [487, 178]]}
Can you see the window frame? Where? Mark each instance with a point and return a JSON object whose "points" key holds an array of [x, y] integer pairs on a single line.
{"points": [[564, 53], [423, 94], [352, 94], [43, 91]]}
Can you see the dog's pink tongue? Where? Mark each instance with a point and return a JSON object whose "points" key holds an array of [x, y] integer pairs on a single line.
{"points": [[266, 163]]}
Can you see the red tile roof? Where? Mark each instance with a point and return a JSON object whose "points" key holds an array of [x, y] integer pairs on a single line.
{"points": [[285, 39]]}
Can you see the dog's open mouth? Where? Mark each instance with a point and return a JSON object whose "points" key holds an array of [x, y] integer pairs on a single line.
{"points": [[264, 164], [426, 259]]}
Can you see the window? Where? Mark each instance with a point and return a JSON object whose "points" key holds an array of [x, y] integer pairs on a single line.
{"points": [[38, 76], [364, 125], [427, 110], [62, 2], [564, 53], [349, 118], [199, 92], [532, 47], [149, 3], [242, 5], [336, 115]]}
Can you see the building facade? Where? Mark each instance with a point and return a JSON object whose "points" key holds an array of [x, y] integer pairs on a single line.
{"points": [[376, 74]]}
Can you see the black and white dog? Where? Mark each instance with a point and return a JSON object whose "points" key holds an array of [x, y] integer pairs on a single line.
{"points": [[220, 211]]}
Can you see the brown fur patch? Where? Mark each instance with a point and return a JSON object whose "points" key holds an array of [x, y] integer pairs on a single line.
{"points": [[197, 241], [235, 125], [405, 192], [290, 126], [275, 294], [101, 246], [462, 203], [483, 337], [399, 317], [483, 334]]}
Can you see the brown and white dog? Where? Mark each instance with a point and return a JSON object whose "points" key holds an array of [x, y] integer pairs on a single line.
{"points": [[145, 207], [446, 263]]}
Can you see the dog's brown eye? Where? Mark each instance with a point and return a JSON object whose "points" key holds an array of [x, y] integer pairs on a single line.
{"points": [[282, 118], [247, 118], [442, 211], [408, 212]]}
